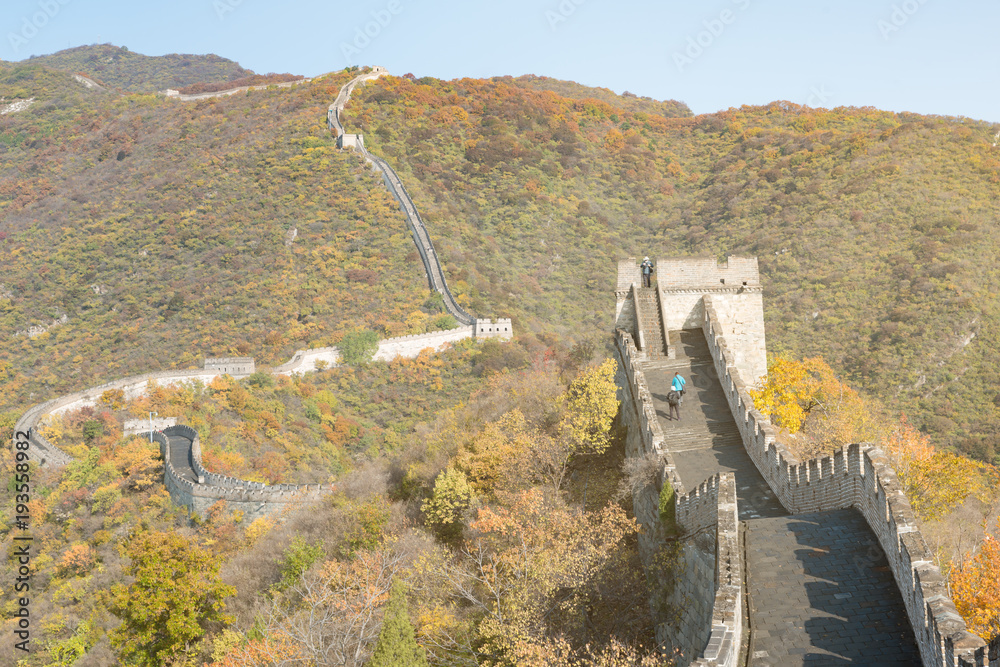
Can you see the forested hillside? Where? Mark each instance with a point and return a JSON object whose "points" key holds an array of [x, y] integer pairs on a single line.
{"points": [[132, 72], [139, 232], [875, 231], [628, 101]]}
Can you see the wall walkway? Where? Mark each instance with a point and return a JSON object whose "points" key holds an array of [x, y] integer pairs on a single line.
{"points": [[191, 486], [432, 265], [796, 583]]}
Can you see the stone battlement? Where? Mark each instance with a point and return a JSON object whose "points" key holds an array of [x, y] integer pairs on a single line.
{"points": [[134, 426], [682, 285], [857, 476], [351, 141], [235, 366], [692, 273], [484, 328], [254, 499], [713, 504]]}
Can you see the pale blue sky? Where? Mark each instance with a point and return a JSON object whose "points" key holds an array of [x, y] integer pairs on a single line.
{"points": [[926, 56]]}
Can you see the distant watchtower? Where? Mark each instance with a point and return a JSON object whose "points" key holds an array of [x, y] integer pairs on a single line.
{"points": [[235, 366], [351, 141], [676, 302]]}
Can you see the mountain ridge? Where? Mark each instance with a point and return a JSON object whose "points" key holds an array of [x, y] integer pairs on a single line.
{"points": [[529, 193]]}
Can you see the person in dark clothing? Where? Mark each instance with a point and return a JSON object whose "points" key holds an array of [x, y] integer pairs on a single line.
{"points": [[647, 272], [674, 402]]}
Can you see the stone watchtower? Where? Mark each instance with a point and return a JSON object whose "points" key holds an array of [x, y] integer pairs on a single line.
{"points": [[676, 301], [235, 366]]}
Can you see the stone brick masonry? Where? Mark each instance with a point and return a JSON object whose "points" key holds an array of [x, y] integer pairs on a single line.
{"points": [[856, 477]]}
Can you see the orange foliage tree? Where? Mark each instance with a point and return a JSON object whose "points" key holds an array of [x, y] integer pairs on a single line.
{"points": [[975, 587], [935, 481]]}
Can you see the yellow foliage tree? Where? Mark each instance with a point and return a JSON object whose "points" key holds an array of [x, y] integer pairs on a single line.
{"points": [[975, 587], [807, 396], [591, 403], [935, 481], [487, 461], [138, 463], [524, 553], [113, 398], [788, 392], [452, 496]]}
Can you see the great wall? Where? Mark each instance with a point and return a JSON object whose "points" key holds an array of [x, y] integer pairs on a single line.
{"points": [[189, 484], [786, 562]]}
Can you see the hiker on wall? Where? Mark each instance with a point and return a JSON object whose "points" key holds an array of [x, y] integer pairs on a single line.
{"points": [[677, 384], [647, 272], [674, 402]]}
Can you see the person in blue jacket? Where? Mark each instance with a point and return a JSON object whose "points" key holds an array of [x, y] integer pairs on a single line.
{"points": [[677, 384]]}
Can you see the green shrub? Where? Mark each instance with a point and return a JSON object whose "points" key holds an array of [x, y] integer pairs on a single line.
{"points": [[397, 646], [444, 323], [261, 379], [298, 558], [668, 508], [358, 347]]}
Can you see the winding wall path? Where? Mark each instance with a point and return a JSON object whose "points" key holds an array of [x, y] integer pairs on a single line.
{"points": [[435, 274], [189, 483], [836, 571]]}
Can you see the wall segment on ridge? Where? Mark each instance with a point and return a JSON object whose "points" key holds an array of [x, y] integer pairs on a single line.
{"points": [[303, 361], [422, 240]]}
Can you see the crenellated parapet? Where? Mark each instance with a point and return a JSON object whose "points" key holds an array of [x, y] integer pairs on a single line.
{"points": [[713, 504], [725, 301], [638, 411], [501, 329], [254, 499], [234, 366], [861, 477], [711, 591]]}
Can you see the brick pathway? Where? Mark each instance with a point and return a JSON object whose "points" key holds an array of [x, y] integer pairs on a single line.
{"points": [[180, 457], [821, 593], [820, 590], [706, 441]]}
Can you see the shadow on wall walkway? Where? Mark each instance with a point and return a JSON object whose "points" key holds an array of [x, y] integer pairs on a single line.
{"points": [[821, 593]]}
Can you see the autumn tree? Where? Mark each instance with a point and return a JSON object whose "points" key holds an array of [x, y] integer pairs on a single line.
{"points": [[489, 462], [176, 597], [530, 567], [806, 396], [396, 645], [137, 461], [975, 587], [452, 496], [559, 653], [591, 403], [511, 453], [333, 613], [787, 393], [935, 481], [358, 347]]}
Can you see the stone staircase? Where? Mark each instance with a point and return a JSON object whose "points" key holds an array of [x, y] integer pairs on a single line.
{"points": [[705, 441], [648, 302]]}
